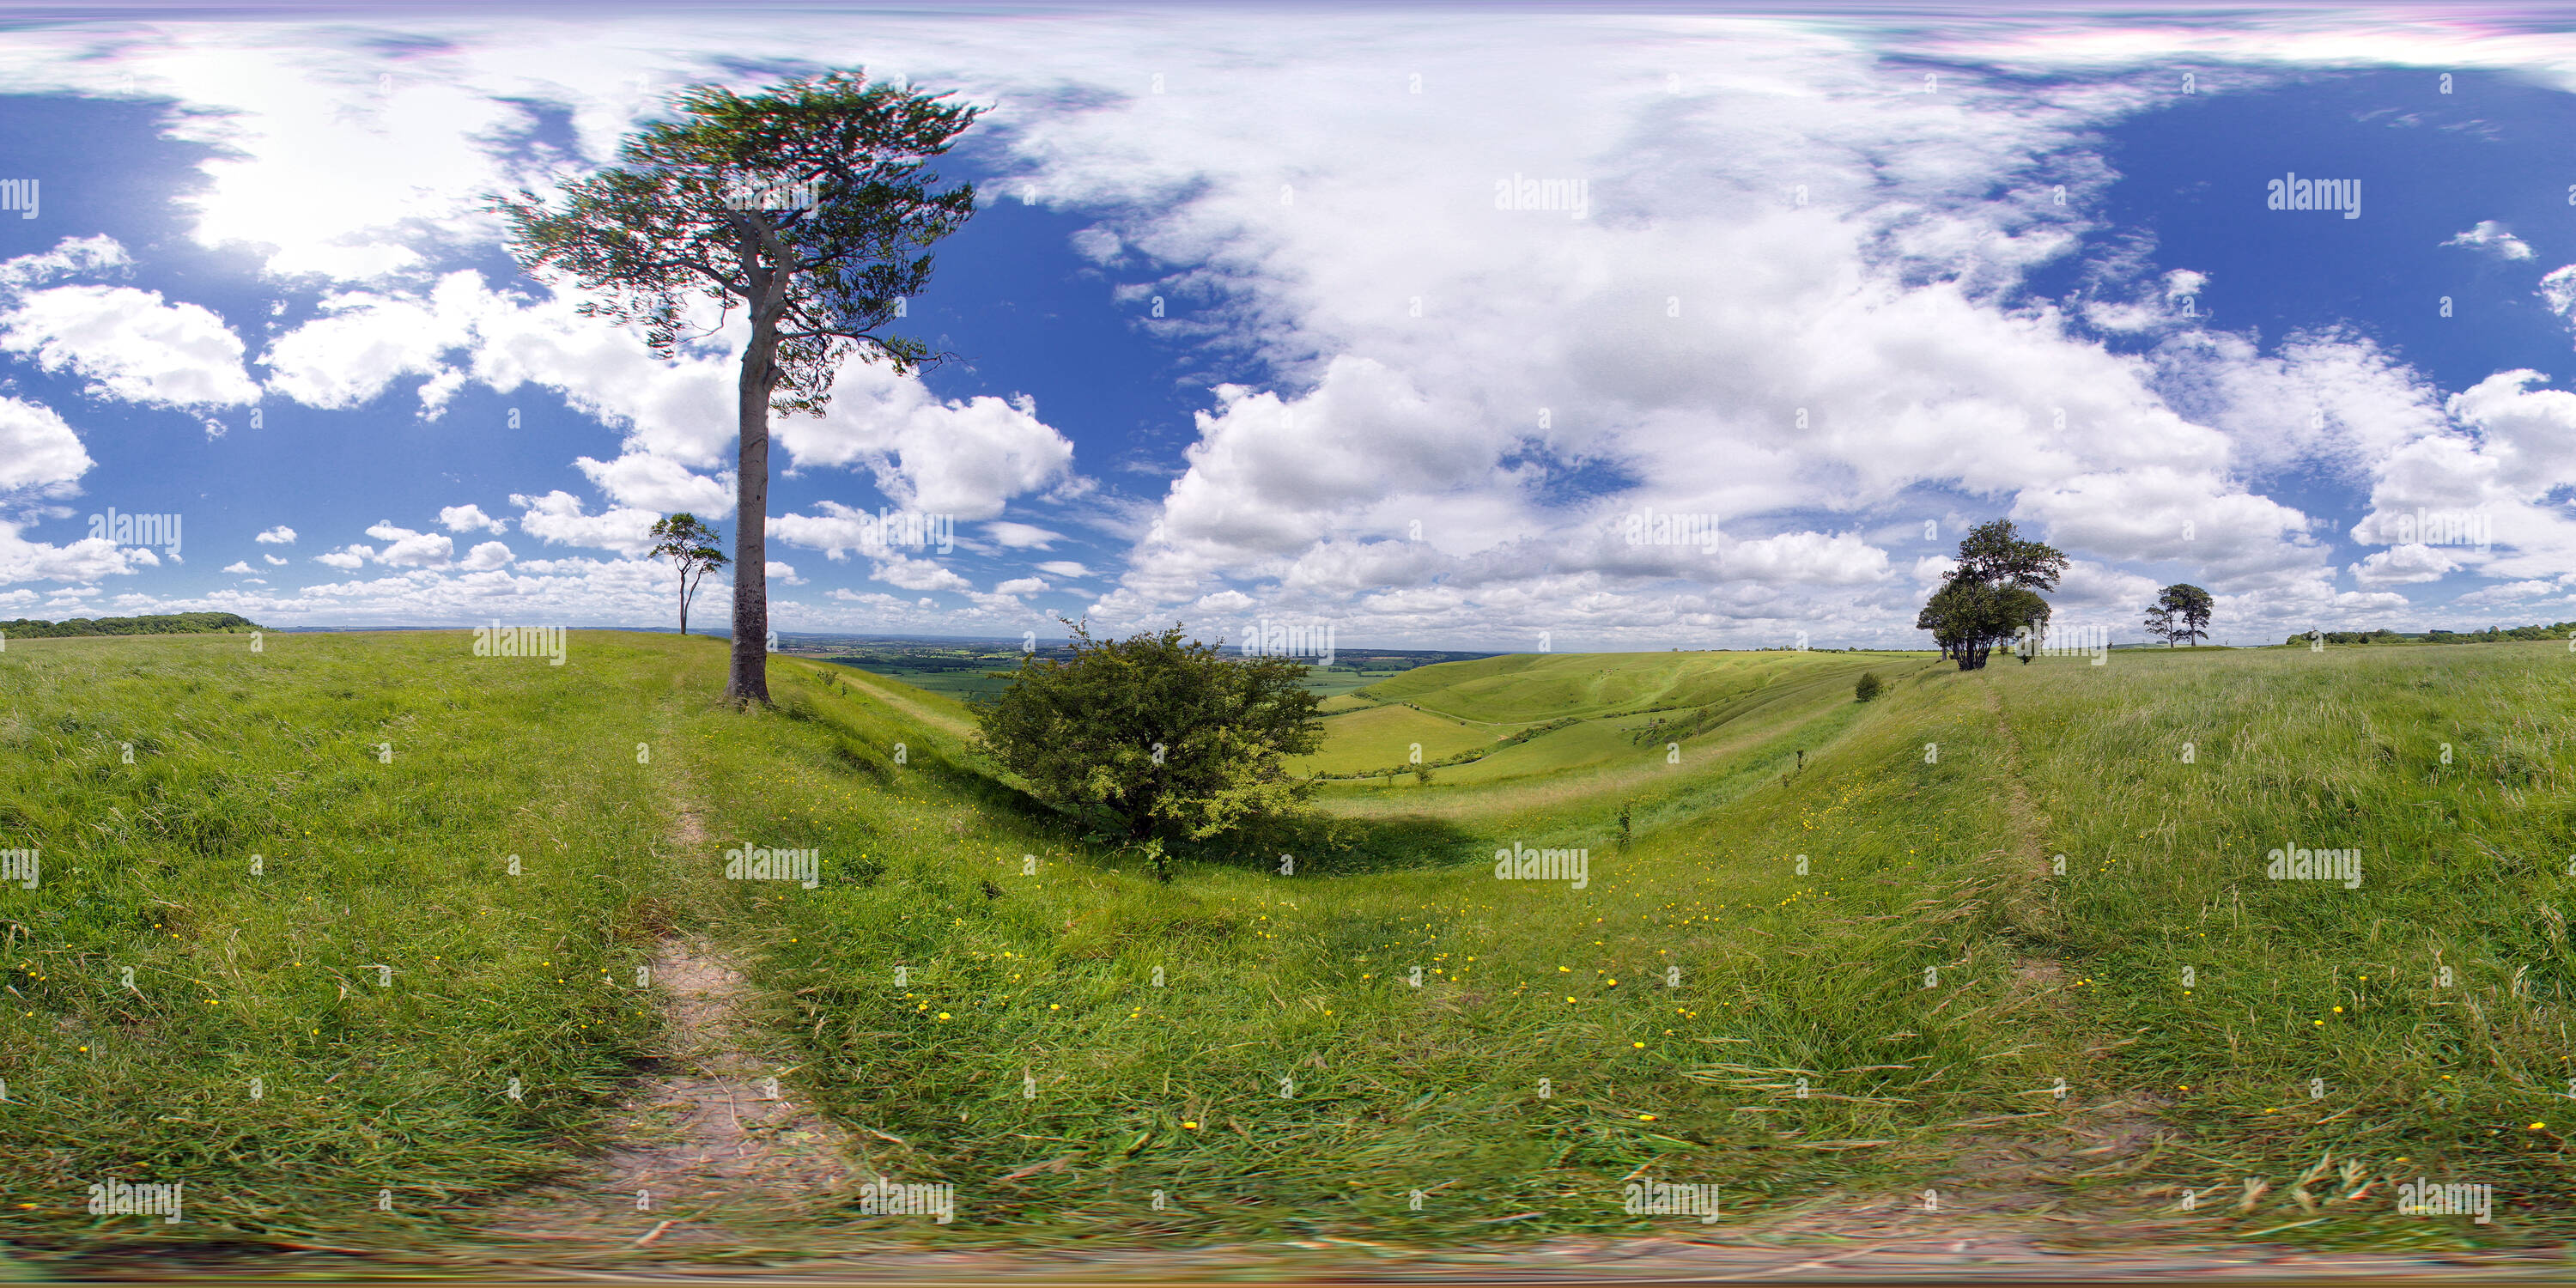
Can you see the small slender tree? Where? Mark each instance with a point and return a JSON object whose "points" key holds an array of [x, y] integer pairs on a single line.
{"points": [[690, 545], [809, 207]]}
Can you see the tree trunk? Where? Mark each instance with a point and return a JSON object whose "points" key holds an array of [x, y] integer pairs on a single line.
{"points": [[749, 680], [684, 601]]}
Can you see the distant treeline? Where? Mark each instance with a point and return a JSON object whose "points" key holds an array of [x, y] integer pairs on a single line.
{"points": [[163, 624], [2491, 635]]}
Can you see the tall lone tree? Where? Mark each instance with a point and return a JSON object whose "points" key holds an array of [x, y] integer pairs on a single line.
{"points": [[2180, 614], [809, 206], [1992, 594], [690, 545]]}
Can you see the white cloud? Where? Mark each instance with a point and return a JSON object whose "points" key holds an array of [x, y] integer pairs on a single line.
{"points": [[239, 566], [909, 573], [1021, 536], [782, 574], [281, 535], [557, 518], [364, 341], [1064, 568], [470, 518], [2494, 238], [2558, 290], [131, 345], [486, 557], [274, 561], [963, 458], [347, 557], [1021, 586], [2402, 565], [70, 256], [38, 451], [661, 485], [409, 549]]}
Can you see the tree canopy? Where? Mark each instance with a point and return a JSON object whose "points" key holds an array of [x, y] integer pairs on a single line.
{"points": [[2180, 615], [1992, 595], [1156, 737]]}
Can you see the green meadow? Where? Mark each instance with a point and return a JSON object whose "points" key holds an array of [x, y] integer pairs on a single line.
{"points": [[2006, 936]]}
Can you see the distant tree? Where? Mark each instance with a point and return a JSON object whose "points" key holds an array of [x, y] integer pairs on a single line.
{"points": [[1156, 737], [691, 547], [807, 206], [2180, 614], [1868, 687], [1992, 595]]}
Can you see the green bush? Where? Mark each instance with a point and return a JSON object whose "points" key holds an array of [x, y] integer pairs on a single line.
{"points": [[1870, 686]]}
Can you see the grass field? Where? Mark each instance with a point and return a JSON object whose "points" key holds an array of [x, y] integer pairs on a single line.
{"points": [[1814, 987]]}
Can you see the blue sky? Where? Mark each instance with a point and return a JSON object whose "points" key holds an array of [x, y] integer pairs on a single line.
{"points": [[1243, 330]]}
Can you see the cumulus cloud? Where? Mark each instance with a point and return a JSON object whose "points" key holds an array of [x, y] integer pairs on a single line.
{"points": [[131, 345], [2402, 565], [38, 451], [660, 484], [408, 549], [909, 573], [1063, 568], [470, 518], [281, 535], [486, 557], [965, 458], [239, 566], [347, 557], [1021, 586], [557, 518]]}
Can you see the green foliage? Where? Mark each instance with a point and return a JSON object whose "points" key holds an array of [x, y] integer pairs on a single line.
{"points": [[2491, 635], [2180, 614], [1992, 597], [803, 205], [1156, 735], [1869, 686], [690, 545], [157, 624]]}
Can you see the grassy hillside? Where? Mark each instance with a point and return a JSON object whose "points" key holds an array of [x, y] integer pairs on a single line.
{"points": [[1069, 1037]]}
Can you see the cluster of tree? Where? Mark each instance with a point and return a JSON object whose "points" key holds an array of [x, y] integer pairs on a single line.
{"points": [[2491, 635], [2180, 615], [1156, 738], [2499, 634], [160, 624], [1992, 597]]}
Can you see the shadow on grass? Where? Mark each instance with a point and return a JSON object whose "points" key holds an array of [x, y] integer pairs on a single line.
{"points": [[1327, 846]]}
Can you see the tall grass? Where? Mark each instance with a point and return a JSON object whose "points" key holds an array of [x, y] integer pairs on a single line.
{"points": [[982, 997]]}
